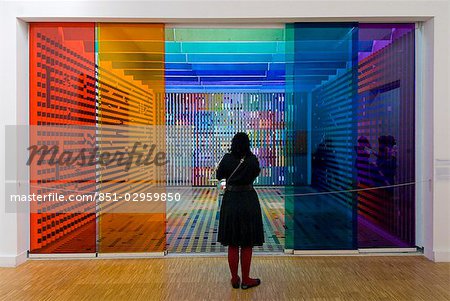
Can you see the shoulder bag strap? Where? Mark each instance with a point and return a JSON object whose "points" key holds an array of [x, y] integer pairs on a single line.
{"points": [[242, 161]]}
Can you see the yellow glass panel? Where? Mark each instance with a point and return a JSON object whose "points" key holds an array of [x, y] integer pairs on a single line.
{"points": [[131, 109]]}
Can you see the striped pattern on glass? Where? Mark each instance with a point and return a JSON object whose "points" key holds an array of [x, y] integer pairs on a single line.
{"points": [[130, 78], [62, 92], [386, 115]]}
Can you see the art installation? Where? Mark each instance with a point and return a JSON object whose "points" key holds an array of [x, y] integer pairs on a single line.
{"points": [[325, 106]]}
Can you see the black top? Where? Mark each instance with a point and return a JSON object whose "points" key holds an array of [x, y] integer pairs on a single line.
{"points": [[245, 175], [240, 218]]}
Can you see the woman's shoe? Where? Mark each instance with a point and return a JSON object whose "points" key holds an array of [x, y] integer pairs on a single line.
{"points": [[254, 283], [237, 283]]}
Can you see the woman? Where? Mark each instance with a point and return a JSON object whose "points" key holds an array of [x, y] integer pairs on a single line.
{"points": [[240, 223]]}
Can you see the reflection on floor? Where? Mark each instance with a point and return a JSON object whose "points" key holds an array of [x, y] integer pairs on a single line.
{"points": [[131, 232], [81, 240], [192, 222], [320, 222], [372, 236], [329, 221]]}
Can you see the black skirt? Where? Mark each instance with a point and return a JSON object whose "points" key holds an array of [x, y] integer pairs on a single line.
{"points": [[240, 222]]}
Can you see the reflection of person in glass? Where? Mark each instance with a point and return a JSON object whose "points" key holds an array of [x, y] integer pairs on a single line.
{"points": [[387, 158], [387, 169], [364, 161], [240, 223], [324, 165]]}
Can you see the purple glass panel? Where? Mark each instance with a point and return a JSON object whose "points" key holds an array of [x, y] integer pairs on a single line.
{"points": [[386, 147]]}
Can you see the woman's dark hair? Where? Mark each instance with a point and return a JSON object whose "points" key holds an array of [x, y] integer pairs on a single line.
{"points": [[240, 145]]}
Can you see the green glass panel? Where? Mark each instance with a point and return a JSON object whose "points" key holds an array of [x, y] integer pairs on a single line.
{"points": [[224, 34]]}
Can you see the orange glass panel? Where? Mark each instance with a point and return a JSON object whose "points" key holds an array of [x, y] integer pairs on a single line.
{"points": [[62, 92], [131, 110]]}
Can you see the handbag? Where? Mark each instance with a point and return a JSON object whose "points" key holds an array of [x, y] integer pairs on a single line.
{"points": [[222, 184]]}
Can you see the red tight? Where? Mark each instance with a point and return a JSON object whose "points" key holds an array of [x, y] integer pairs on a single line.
{"points": [[246, 260], [233, 261]]}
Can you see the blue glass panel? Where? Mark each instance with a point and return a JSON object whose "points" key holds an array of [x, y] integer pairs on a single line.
{"points": [[321, 89]]}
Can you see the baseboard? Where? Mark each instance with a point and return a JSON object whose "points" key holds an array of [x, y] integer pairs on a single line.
{"points": [[21, 258], [61, 256], [360, 252], [131, 255], [325, 252], [12, 261], [187, 255], [441, 256], [73, 256], [388, 250]]}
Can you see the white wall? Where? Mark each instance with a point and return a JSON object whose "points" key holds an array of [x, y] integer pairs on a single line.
{"points": [[436, 88]]}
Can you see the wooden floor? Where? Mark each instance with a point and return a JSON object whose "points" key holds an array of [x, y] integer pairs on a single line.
{"points": [[207, 278]]}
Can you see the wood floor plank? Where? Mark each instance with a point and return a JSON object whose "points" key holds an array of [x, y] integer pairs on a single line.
{"points": [[207, 278]]}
